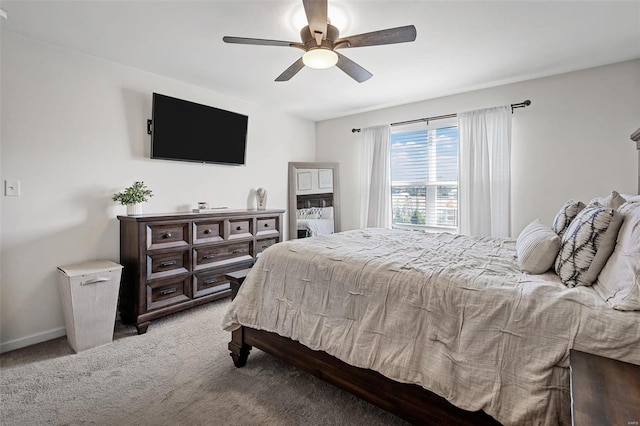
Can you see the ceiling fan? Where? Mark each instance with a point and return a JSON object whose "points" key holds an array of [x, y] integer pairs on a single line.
{"points": [[320, 40]]}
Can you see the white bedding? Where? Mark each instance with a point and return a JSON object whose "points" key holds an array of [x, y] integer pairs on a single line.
{"points": [[450, 313], [316, 226]]}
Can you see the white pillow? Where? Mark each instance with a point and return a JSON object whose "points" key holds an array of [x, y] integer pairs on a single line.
{"points": [[587, 244], [566, 214], [619, 281], [631, 198], [326, 213], [537, 247], [611, 201]]}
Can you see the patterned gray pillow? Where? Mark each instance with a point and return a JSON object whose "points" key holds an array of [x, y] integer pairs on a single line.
{"points": [[566, 214], [587, 244]]}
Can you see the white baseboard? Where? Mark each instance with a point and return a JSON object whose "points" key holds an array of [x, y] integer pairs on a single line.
{"points": [[32, 340]]}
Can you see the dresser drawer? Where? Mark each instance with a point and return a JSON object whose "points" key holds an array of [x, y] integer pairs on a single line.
{"points": [[267, 226], [167, 292], [179, 260], [213, 256], [162, 236], [162, 265], [213, 281], [208, 231], [240, 228], [262, 245]]}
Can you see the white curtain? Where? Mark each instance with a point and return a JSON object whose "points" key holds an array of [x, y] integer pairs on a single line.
{"points": [[485, 172], [375, 178]]}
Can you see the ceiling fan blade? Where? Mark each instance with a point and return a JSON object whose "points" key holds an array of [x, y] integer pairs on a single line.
{"points": [[376, 38], [354, 70], [291, 71], [316, 11], [261, 41]]}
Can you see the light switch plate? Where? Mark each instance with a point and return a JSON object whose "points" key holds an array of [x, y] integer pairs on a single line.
{"points": [[12, 188]]}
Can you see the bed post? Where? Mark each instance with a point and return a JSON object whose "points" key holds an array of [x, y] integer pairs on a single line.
{"points": [[635, 136], [239, 349]]}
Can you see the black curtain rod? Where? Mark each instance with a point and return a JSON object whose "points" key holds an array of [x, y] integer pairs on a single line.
{"points": [[440, 117]]}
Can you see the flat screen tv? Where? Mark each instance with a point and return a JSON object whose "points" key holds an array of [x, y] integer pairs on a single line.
{"points": [[187, 131]]}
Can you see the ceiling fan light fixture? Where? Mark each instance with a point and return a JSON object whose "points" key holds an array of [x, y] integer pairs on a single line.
{"points": [[320, 39], [320, 58]]}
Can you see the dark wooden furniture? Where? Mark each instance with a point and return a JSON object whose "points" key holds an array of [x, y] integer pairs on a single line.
{"points": [[635, 136], [305, 201], [603, 391], [236, 279], [410, 402], [177, 261]]}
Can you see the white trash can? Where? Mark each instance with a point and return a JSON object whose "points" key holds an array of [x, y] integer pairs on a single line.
{"points": [[89, 293]]}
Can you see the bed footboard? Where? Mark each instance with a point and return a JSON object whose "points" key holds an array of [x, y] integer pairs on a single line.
{"points": [[408, 401], [239, 348]]}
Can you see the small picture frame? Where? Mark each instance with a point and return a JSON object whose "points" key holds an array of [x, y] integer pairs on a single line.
{"points": [[304, 181], [325, 178]]}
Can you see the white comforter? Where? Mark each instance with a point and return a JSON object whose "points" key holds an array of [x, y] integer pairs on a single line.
{"points": [[450, 313], [316, 226]]}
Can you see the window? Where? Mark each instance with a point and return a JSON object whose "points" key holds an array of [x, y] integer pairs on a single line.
{"points": [[424, 177]]}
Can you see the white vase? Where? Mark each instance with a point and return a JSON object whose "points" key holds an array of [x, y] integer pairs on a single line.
{"points": [[134, 209]]}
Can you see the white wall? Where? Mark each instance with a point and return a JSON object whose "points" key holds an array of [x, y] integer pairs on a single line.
{"points": [[74, 133], [572, 142]]}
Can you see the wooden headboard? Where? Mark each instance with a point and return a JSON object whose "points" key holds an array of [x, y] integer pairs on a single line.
{"points": [[314, 200], [635, 136]]}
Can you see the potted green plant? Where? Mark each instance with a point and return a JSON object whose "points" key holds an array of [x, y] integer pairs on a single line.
{"points": [[133, 197]]}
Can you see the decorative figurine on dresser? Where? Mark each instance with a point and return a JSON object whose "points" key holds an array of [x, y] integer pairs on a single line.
{"points": [[261, 196], [177, 261]]}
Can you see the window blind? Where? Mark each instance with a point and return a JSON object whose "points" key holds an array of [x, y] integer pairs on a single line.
{"points": [[424, 177]]}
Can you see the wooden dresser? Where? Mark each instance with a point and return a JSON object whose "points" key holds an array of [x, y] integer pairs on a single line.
{"points": [[177, 261]]}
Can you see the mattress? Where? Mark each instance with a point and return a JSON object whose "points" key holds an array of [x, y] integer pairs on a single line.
{"points": [[447, 312]]}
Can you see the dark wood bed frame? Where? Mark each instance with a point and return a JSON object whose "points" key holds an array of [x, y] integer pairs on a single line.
{"points": [[408, 401]]}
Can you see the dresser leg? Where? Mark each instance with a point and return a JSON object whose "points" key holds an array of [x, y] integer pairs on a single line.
{"points": [[142, 327], [239, 349]]}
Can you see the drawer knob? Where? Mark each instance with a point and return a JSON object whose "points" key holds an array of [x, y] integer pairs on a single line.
{"points": [[209, 256], [266, 225], [168, 263], [207, 282], [238, 228], [167, 235], [265, 246], [237, 251], [207, 231], [168, 291]]}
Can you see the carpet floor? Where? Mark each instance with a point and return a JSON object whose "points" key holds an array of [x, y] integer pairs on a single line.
{"points": [[178, 373]]}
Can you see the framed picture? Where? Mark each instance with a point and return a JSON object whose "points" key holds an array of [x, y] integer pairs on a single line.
{"points": [[304, 181], [325, 178]]}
